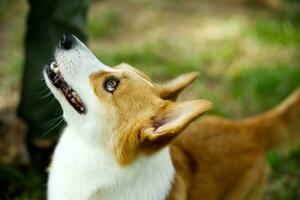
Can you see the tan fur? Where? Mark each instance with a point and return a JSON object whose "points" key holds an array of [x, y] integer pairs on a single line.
{"points": [[135, 129], [172, 89], [225, 159], [125, 142]]}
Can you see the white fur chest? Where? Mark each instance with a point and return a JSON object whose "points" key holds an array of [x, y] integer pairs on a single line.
{"points": [[83, 171]]}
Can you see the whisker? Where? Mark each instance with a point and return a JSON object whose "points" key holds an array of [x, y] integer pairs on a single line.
{"points": [[52, 121], [47, 95], [46, 90], [52, 99], [53, 127], [40, 77]]}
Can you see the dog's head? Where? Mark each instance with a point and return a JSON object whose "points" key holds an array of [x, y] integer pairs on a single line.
{"points": [[119, 108]]}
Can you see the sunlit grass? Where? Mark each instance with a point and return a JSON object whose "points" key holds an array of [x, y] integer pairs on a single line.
{"points": [[263, 87], [160, 58], [106, 25], [11, 75], [278, 32]]}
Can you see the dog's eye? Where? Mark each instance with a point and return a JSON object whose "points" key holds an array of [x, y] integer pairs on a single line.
{"points": [[111, 84]]}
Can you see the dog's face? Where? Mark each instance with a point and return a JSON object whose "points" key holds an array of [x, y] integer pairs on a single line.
{"points": [[119, 108]]}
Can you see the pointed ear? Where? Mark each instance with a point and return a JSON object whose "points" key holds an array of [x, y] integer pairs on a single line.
{"points": [[170, 122], [172, 89]]}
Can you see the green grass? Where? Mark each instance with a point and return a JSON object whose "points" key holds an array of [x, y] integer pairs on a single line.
{"points": [[263, 87], [283, 29], [107, 25], [279, 32], [253, 85], [160, 58], [20, 183], [13, 73], [223, 53], [5, 5], [285, 176]]}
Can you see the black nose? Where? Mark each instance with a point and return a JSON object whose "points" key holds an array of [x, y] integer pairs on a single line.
{"points": [[66, 41]]}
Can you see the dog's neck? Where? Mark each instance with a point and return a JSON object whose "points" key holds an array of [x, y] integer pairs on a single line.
{"points": [[146, 180], [80, 169]]}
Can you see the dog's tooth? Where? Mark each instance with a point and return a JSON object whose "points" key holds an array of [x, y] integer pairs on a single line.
{"points": [[52, 66], [55, 69], [81, 108], [73, 100], [74, 94], [78, 99]]}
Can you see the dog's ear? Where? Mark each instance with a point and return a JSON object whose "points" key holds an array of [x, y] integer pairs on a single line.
{"points": [[172, 89], [170, 122]]}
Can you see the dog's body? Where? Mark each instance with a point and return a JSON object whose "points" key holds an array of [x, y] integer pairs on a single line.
{"points": [[118, 142], [224, 159]]}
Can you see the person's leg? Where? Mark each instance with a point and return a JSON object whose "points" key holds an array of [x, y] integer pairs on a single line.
{"points": [[47, 21]]}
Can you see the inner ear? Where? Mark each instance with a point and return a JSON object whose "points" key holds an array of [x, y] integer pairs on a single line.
{"points": [[170, 121], [172, 89]]}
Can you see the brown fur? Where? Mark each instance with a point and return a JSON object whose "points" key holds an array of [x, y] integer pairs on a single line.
{"points": [[144, 126], [126, 143], [172, 89], [225, 159]]}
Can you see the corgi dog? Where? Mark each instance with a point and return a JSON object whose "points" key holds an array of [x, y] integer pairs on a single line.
{"points": [[127, 137], [115, 145]]}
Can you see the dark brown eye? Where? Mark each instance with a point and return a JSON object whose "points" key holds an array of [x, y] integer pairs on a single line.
{"points": [[111, 84]]}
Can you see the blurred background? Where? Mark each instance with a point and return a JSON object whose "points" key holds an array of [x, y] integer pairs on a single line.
{"points": [[248, 53]]}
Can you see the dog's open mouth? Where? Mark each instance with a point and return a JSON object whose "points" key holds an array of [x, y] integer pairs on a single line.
{"points": [[53, 73]]}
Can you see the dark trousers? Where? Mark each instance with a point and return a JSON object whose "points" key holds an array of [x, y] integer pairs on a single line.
{"points": [[46, 22]]}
